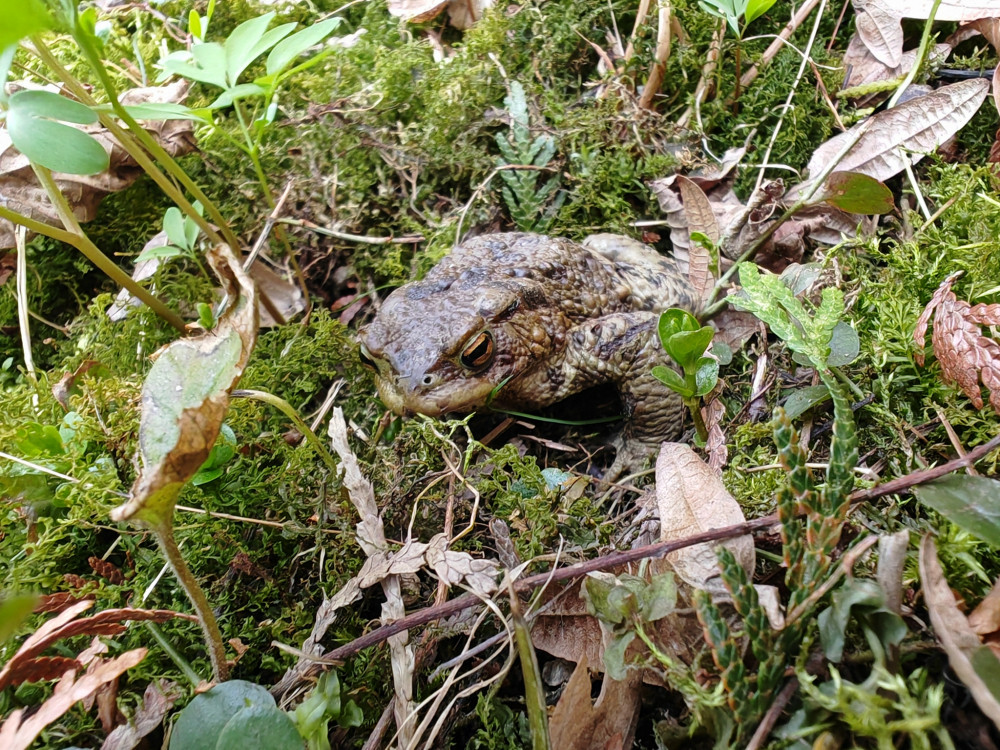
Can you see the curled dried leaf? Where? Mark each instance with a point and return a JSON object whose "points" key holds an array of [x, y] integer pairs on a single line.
{"points": [[965, 354]]}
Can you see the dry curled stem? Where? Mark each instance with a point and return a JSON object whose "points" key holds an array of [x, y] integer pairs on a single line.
{"points": [[965, 354]]}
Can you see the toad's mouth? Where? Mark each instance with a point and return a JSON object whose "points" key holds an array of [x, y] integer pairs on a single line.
{"points": [[457, 398]]}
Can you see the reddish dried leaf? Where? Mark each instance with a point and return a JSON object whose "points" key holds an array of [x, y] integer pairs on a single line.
{"points": [[43, 668], [19, 731], [966, 356], [156, 702], [108, 622], [107, 570], [56, 602]]}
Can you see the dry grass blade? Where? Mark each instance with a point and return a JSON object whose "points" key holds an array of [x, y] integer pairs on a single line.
{"points": [[965, 354]]}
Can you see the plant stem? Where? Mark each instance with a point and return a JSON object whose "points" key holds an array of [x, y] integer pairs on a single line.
{"points": [[289, 411], [694, 406], [131, 144], [91, 251], [175, 656], [163, 530]]}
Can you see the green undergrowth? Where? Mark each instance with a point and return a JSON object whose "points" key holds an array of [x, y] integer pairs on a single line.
{"points": [[384, 139]]}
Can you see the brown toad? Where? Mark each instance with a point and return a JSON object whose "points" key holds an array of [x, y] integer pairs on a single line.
{"points": [[522, 321]]}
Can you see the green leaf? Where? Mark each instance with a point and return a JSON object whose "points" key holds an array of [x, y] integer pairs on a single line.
{"points": [[14, 610], [969, 502], [173, 225], [857, 193], [674, 321], [658, 598], [35, 123], [614, 655], [239, 91], [706, 375], [844, 345], [201, 724], [22, 18], [865, 601], [687, 346], [287, 50], [162, 111], [6, 60], [597, 593], [672, 380], [250, 40], [803, 399], [194, 25], [756, 8], [260, 726], [163, 252]]}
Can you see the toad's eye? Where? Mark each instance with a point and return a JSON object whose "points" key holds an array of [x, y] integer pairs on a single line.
{"points": [[366, 359], [478, 352]]}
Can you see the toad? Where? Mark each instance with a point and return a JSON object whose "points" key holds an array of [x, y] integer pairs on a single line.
{"points": [[522, 321]]}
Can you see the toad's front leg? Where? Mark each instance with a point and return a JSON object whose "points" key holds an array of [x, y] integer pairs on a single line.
{"points": [[621, 348]]}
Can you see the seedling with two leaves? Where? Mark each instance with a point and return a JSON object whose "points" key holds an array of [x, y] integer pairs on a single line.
{"points": [[687, 341]]}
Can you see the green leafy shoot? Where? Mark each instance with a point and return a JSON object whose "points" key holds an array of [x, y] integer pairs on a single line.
{"points": [[686, 341], [324, 704], [36, 123], [22, 18], [533, 202], [733, 10]]}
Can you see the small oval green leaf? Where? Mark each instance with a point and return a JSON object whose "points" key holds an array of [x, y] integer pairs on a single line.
{"points": [[36, 125]]}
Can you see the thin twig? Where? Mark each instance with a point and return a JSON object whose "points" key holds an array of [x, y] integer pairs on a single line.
{"points": [[430, 614]]}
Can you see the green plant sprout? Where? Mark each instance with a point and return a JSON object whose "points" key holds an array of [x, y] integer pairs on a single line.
{"points": [[222, 65], [686, 341], [731, 11], [532, 205]]}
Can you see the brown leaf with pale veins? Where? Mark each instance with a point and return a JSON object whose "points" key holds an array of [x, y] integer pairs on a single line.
{"points": [[966, 356]]}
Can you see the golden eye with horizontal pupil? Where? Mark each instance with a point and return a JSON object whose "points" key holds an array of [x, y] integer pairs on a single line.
{"points": [[478, 352], [366, 360]]}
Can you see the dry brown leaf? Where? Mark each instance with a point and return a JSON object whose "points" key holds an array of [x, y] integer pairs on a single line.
{"points": [[22, 193], [107, 570], [863, 68], [985, 618], [463, 14], [65, 625], [18, 731], [565, 629], [692, 500], [904, 134], [962, 645], [371, 538], [966, 356], [607, 724], [712, 413], [701, 218], [880, 29], [948, 10], [67, 383], [157, 701]]}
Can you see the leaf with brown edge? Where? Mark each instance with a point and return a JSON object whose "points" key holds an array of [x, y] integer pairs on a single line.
{"points": [[973, 662], [186, 396], [966, 356]]}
